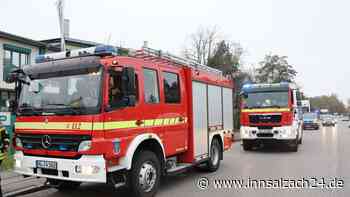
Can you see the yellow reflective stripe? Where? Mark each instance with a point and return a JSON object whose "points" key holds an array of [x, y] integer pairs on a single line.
{"points": [[267, 110], [120, 124], [158, 122], [166, 121], [3, 156], [98, 126], [54, 125], [173, 121], [149, 123]]}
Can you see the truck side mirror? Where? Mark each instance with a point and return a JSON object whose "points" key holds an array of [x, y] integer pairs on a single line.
{"points": [[244, 94], [298, 103], [11, 105], [128, 85]]}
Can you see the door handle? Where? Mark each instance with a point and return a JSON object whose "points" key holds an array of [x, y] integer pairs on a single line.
{"points": [[139, 122]]}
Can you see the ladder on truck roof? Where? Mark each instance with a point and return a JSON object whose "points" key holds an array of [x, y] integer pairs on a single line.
{"points": [[153, 54]]}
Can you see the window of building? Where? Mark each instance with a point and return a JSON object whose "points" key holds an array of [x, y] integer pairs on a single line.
{"points": [[151, 88], [4, 96], [14, 57], [171, 87]]}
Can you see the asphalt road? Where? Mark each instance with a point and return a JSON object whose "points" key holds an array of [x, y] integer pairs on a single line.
{"points": [[322, 159]]}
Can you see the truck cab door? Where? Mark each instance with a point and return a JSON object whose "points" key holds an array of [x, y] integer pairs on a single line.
{"points": [[297, 111]]}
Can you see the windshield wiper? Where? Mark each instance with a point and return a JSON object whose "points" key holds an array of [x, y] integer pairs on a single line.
{"points": [[27, 108], [254, 107], [276, 106], [260, 106], [65, 107]]}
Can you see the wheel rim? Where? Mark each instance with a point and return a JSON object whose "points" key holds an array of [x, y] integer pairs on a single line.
{"points": [[147, 176], [214, 155]]}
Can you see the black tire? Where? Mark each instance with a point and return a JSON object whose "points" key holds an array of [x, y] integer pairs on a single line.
{"points": [[300, 141], [64, 185], [213, 163], [247, 146], [148, 164], [295, 146]]}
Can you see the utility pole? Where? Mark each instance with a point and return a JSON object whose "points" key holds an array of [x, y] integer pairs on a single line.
{"points": [[60, 7]]}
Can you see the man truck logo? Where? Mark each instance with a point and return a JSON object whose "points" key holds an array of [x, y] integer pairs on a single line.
{"points": [[46, 141], [265, 117]]}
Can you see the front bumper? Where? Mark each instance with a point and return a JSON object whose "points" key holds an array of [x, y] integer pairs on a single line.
{"points": [[328, 123], [276, 133], [267, 142], [310, 125], [26, 165]]}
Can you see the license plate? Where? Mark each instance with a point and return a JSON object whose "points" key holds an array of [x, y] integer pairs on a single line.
{"points": [[46, 164], [265, 131]]}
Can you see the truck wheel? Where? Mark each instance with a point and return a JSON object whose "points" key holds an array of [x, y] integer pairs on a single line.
{"points": [[295, 146], [247, 146], [214, 161], [64, 185], [145, 175], [300, 140]]}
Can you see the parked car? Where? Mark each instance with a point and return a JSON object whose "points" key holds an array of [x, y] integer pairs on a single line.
{"points": [[346, 119], [328, 121], [311, 121]]}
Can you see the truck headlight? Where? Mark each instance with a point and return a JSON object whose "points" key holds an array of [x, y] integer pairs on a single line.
{"points": [[18, 163], [84, 145], [19, 143], [87, 170]]}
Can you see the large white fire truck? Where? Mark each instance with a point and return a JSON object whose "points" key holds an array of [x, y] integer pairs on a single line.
{"points": [[119, 116]]}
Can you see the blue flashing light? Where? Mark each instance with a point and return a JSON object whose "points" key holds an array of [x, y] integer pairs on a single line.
{"points": [[42, 58], [29, 146], [284, 83], [247, 86], [106, 49], [101, 50], [62, 147]]}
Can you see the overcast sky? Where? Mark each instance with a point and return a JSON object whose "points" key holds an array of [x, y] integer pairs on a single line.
{"points": [[314, 34]]}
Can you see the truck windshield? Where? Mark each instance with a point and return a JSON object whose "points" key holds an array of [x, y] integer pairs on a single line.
{"points": [[265, 99], [76, 93]]}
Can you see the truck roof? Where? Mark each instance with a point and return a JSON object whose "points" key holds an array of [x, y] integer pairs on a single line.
{"points": [[268, 87]]}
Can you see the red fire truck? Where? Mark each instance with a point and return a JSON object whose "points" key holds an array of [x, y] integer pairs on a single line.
{"points": [[119, 116], [271, 114]]}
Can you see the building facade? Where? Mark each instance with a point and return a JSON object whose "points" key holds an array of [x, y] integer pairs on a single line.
{"points": [[17, 51]]}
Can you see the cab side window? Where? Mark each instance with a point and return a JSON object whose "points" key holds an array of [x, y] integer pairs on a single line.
{"points": [[114, 92], [151, 87], [171, 87]]}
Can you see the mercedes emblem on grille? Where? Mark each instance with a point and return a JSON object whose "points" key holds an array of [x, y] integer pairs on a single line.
{"points": [[46, 141]]}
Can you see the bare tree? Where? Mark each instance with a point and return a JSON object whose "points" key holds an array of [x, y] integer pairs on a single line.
{"points": [[201, 44]]}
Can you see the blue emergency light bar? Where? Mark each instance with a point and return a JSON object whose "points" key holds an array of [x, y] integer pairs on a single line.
{"points": [[265, 85], [101, 50]]}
